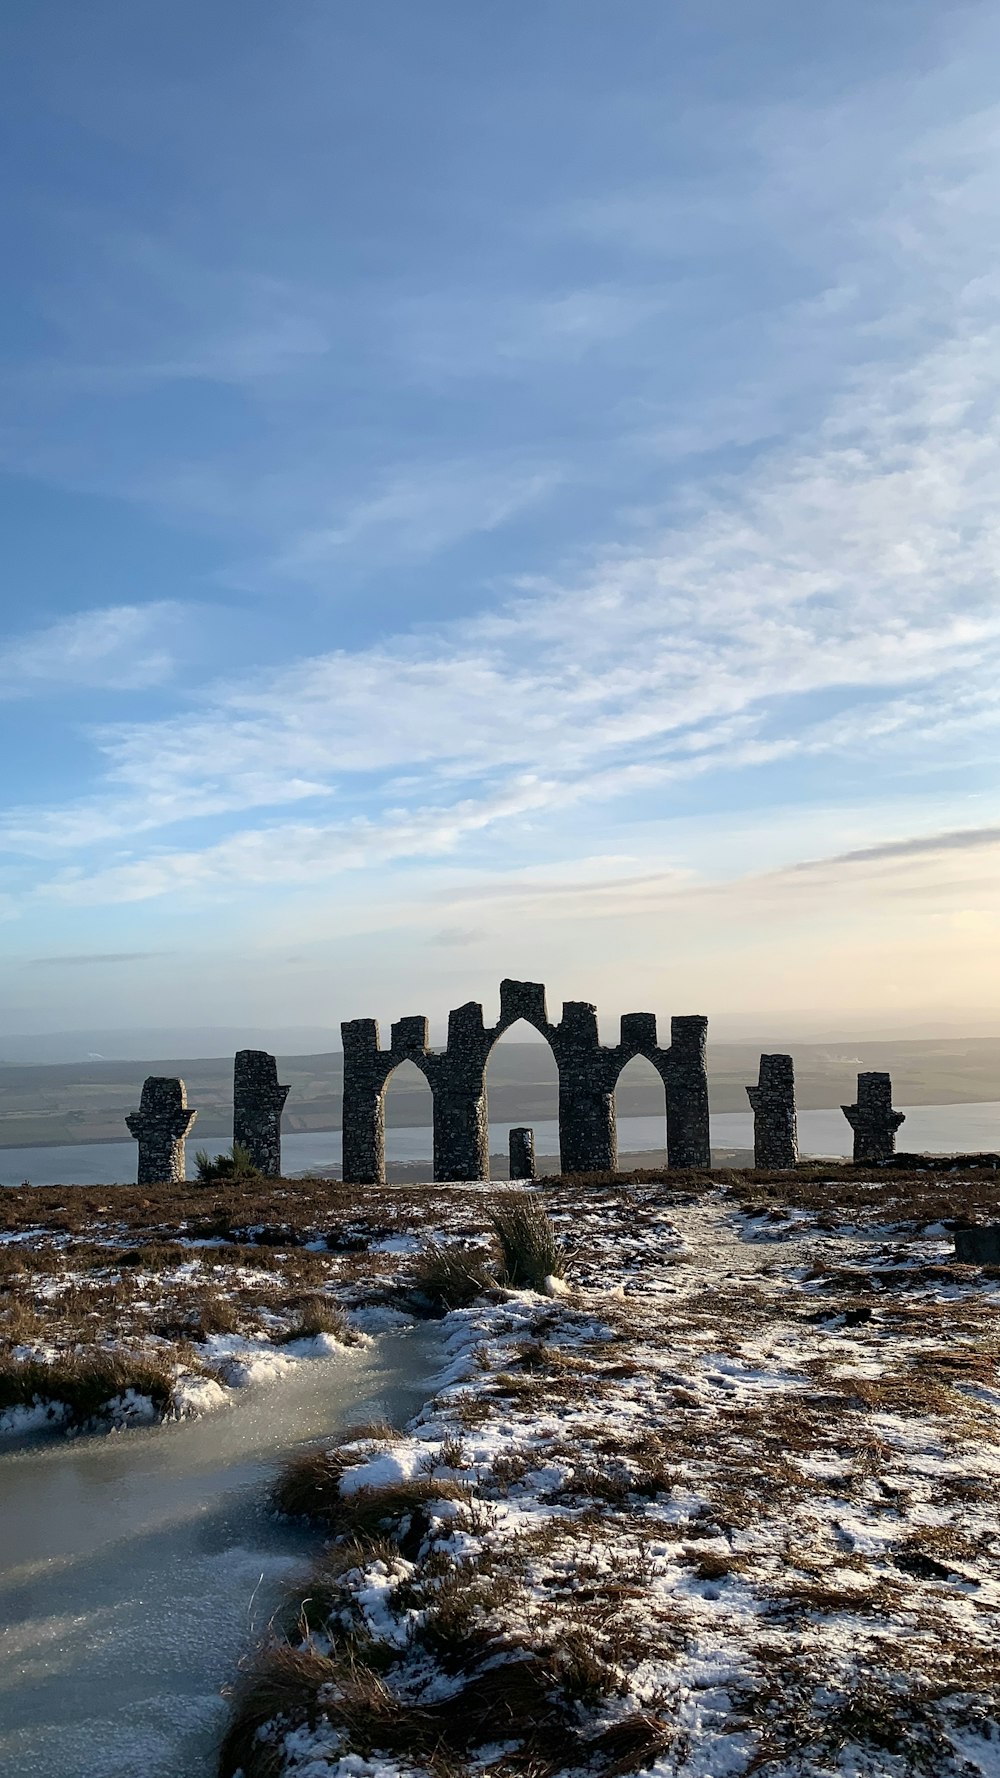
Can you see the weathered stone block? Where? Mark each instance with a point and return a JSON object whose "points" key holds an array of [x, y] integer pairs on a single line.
{"points": [[979, 1246], [409, 1036], [466, 1027], [638, 1031], [359, 1036], [521, 1150], [160, 1127], [258, 1102]]}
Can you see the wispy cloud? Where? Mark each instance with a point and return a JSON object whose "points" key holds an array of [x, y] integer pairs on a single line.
{"points": [[859, 562], [418, 511], [74, 959], [112, 648]]}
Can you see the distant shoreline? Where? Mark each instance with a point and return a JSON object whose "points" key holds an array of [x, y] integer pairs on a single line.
{"points": [[334, 1130]]}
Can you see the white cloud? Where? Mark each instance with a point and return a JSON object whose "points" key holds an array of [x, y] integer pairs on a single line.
{"points": [[419, 511], [862, 563], [112, 648]]}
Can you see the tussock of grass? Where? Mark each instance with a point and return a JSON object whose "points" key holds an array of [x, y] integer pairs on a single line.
{"points": [[279, 1689], [87, 1384], [530, 1250], [514, 1692], [215, 1314], [317, 1315], [451, 1277], [309, 1488]]}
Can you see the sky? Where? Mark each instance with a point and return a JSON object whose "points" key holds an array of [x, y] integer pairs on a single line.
{"points": [[491, 490]]}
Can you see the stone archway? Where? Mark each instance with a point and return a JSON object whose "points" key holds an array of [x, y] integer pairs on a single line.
{"points": [[407, 1102], [639, 1070], [524, 1096]]}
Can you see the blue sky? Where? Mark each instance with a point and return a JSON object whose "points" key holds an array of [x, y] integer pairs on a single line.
{"points": [[499, 489]]}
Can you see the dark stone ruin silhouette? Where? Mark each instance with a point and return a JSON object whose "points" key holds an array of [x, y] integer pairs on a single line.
{"points": [[160, 1127], [873, 1120], [521, 1153], [588, 1073], [258, 1102]]}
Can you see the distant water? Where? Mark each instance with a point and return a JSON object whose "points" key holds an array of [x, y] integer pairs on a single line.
{"points": [[929, 1129]]}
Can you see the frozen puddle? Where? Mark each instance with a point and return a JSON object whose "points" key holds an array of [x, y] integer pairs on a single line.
{"points": [[135, 1567]]}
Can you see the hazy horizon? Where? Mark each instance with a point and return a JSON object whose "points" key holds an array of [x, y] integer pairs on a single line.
{"points": [[216, 1043]]}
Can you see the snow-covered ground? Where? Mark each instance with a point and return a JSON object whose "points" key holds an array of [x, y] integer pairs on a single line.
{"points": [[730, 1507], [726, 1504]]}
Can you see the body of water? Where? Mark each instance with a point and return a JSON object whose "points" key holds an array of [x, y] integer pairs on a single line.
{"points": [[929, 1129], [135, 1568]]}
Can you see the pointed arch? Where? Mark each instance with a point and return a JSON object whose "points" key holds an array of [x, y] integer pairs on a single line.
{"points": [[529, 1094], [640, 1091]]}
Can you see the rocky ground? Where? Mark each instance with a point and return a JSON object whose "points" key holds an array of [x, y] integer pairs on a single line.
{"points": [[721, 1500]]}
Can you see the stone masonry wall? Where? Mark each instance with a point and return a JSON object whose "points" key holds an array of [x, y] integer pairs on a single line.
{"points": [[588, 1074], [258, 1102], [775, 1132], [872, 1118], [160, 1127], [521, 1153]]}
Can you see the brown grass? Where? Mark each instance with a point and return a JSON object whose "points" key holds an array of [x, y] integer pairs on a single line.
{"points": [[86, 1383], [318, 1315]]}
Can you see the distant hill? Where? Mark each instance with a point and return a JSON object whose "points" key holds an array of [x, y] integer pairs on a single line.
{"points": [[86, 1101]]}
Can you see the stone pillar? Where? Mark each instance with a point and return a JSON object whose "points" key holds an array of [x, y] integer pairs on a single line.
{"points": [[160, 1126], [587, 1135], [689, 1142], [458, 1082], [521, 1148], [366, 1071], [775, 1136], [258, 1102], [873, 1120]]}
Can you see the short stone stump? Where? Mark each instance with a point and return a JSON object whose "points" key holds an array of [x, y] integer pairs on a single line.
{"points": [[979, 1246]]}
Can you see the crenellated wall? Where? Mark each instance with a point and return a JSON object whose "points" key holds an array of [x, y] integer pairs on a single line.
{"points": [[588, 1073]]}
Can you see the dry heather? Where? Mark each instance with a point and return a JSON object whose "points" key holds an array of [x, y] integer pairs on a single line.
{"points": [[730, 1507]]}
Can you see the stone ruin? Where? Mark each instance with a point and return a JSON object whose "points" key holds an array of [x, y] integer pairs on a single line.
{"points": [[873, 1120], [161, 1126], [588, 1072], [521, 1153], [775, 1131], [258, 1102]]}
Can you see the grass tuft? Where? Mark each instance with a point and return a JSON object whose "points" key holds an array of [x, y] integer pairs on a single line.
{"points": [[529, 1247], [86, 1383], [451, 1277], [317, 1315], [309, 1488]]}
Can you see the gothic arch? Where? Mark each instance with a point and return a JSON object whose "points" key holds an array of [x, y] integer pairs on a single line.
{"points": [[588, 1073]]}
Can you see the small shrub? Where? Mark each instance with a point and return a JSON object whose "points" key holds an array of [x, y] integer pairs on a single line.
{"points": [[237, 1164], [529, 1247]]}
